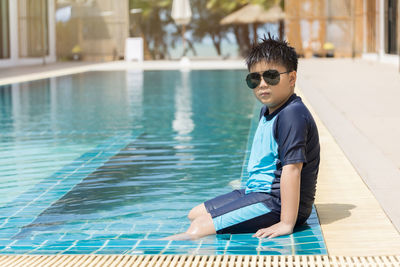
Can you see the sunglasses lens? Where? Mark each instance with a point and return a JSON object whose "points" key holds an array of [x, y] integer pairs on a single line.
{"points": [[272, 77], [253, 80]]}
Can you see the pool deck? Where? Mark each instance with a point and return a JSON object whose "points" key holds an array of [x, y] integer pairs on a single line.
{"points": [[359, 181]]}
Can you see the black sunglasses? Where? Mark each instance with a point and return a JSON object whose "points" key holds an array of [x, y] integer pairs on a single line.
{"points": [[271, 77]]}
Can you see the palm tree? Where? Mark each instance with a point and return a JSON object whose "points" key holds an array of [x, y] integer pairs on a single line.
{"points": [[154, 18]]}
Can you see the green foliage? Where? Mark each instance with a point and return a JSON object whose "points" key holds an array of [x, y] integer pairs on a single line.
{"points": [[155, 17]]}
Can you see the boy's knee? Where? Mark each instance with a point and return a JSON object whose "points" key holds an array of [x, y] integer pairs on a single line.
{"points": [[196, 212], [201, 226], [192, 214]]}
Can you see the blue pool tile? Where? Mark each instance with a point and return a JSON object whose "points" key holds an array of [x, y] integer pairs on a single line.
{"points": [[77, 251], [13, 252], [239, 248], [5, 235], [210, 251], [101, 236], [188, 247], [73, 226], [221, 245], [56, 243], [312, 252], [90, 243], [155, 235], [9, 230], [305, 227], [315, 245], [28, 242], [52, 248], [184, 243], [153, 243], [241, 237], [308, 232], [308, 239], [94, 226], [120, 248], [119, 227], [75, 236], [19, 220], [224, 237], [47, 236], [5, 242], [245, 242], [123, 242], [272, 253], [241, 252], [85, 249], [20, 248], [7, 211], [152, 252], [275, 242], [44, 252], [214, 239], [179, 252], [111, 251]]}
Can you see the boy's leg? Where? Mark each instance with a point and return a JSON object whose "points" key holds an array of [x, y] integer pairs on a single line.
{"points": [[202, 222], [197, 211], [201, 226], [214, 203], [246, 214]]}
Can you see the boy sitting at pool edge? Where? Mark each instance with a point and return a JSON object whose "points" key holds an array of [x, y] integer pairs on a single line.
{"points": [[284, 157]]}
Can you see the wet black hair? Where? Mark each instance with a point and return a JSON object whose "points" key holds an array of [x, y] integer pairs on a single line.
{"points": [[273, 51]]}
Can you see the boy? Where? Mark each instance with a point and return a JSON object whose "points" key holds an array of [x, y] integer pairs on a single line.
{"points": [[284, 158]]}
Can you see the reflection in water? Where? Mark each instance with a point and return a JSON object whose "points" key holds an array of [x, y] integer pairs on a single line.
{"points": [[53, 103], [183, 123], [134, 86]]}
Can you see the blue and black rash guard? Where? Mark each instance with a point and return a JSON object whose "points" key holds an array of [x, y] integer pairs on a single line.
{"points": [[288, 135]]}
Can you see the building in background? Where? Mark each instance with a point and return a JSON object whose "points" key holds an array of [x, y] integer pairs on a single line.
{"points": [[94, 30], [381, 31], [43, 31], [27, 32], [364, 28]]}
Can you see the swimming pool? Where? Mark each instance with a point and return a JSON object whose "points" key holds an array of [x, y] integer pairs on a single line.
{"points": [[110, 162]]}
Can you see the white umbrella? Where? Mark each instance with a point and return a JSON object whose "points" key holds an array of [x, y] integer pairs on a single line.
{"points": [[182, 14]]}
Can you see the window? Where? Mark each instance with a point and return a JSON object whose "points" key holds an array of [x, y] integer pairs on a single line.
{"points": [[33, 28], [391, 26], [4, 30]]}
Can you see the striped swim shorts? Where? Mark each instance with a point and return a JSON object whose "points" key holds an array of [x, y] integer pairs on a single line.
{"points": [[237, 212]]}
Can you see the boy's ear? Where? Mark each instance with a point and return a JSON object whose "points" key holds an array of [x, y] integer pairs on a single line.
{"points": [[292, 77]]}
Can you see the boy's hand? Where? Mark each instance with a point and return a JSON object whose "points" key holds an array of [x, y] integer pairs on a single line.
{"points": [[275, 230]]}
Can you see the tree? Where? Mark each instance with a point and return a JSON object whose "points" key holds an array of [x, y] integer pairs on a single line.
{"points": [[154, 18], [205, 22], [241, 32]]}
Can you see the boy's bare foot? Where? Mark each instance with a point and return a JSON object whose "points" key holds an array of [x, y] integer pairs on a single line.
{"points": [[182, 236]]}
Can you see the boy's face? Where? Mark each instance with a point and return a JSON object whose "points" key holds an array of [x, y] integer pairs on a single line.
{"points": [[274, 96]]}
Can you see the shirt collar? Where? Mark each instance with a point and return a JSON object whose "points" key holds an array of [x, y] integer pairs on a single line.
{"points": [[270, 116]]}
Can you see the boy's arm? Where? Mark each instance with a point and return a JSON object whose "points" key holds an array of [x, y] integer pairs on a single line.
{"points": [[290, 197]]}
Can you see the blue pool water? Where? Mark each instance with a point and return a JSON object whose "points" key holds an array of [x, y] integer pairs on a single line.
{"points": [[110, 162]]}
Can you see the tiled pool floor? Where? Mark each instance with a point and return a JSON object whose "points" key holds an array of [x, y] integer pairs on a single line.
{"points": [[306, 240], [30, 229]]}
